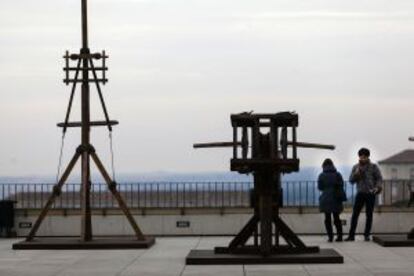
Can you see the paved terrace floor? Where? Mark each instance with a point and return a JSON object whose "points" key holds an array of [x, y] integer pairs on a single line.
{"points": [[167, 258]]}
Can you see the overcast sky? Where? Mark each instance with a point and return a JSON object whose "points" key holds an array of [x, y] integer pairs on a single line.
{"points": [[178, 69]]}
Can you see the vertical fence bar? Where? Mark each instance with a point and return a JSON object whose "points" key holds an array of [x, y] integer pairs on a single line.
{"points": [[171, 197], [164, 191], [177, 195], [185, 197], [147, 195], [28, 196], [196, 195], [153, 195], [403, 194], [222, 194], [35, 196], [23, 197], [142, 194], [159, 194], [216, 194], [131, 195], [242, 195], [15, 193], [229, 193], [139, 195], [294, 193], [203, 202], [100, 196], [235, 194]]}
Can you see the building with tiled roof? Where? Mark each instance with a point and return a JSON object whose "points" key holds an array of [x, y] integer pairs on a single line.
{"points": [[398, 166], [398, 173]]}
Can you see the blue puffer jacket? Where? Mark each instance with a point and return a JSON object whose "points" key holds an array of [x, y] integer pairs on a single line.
{"points": [[330, 181]]}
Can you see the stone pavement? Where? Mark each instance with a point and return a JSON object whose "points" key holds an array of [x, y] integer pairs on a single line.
{"points": [[167, 257]]}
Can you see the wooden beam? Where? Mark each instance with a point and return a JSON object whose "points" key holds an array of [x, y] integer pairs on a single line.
{"points": [[53, 196], [111, 185], [92, 124]]}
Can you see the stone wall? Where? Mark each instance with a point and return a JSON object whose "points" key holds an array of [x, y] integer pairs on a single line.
{"points": [[201, 221]]}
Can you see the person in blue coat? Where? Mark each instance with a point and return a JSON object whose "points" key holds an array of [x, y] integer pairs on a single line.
{"points": [[331, 185]]}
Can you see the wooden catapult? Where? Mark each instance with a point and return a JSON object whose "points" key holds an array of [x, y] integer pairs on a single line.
{"points": [[267, 148], [85, 72], [398, 240]]}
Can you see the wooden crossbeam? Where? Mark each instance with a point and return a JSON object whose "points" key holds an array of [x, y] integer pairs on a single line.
{"points": [[92, 124]]}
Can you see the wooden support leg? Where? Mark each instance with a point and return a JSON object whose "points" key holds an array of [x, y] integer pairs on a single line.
{"points": [[56, 192], [86, 221], [247, 231], [290, 237], [277, 235], [256, 236], [265, 212], [115, 193], [266, 226]]}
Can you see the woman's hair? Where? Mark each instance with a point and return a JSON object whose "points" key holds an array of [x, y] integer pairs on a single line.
{"points": [[327, 162]]}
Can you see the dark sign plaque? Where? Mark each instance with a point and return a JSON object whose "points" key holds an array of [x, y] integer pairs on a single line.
{"points": [[183, 224], [25, 224]]}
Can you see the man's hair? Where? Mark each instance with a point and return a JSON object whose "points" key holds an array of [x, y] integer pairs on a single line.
{"points": [[364, 152]]}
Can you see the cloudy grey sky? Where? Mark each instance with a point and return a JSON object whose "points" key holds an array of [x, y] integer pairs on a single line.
{"points": [[178, 69]]}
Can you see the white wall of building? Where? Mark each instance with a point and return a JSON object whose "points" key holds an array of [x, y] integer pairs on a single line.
{"points": [[397, 171]]}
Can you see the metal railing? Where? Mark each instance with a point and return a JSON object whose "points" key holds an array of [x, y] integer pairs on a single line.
{"points": [[189, 194]]}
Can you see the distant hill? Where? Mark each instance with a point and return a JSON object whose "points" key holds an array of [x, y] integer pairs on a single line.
{"points": [[306, 173], [311, 173]]}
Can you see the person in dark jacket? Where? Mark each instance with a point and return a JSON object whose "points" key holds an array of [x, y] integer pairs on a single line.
{"points": [[367, 177], [331, 184]]}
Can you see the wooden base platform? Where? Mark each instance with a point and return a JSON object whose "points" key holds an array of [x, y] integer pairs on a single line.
{"points": [[394, 241], [254, 250], [208, 257], [76, 243]]}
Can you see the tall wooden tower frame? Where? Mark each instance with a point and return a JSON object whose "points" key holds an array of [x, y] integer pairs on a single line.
{"points": [[85, 72]]}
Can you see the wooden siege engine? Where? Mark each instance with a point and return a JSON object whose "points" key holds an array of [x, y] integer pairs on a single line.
{"points": [[84, 72], [264, 145]]}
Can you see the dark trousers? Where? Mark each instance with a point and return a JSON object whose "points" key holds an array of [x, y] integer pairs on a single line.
{"points": [[337, 223], [362, 199]]}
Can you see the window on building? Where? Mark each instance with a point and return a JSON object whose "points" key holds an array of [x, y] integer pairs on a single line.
{"points": [[394, 192], [394, 173], [412, 173]]}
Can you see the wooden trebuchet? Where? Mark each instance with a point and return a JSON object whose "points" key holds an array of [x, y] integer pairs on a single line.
{"points": [[268, 147]]}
